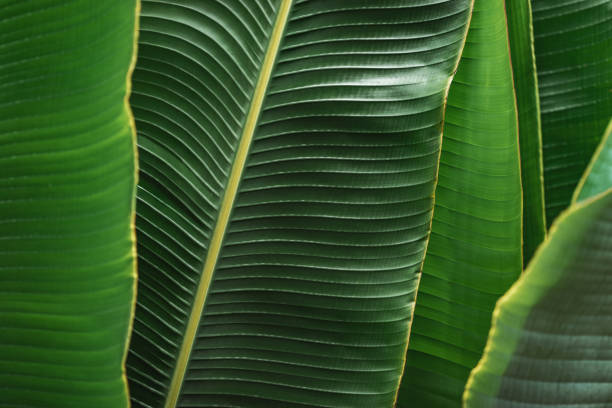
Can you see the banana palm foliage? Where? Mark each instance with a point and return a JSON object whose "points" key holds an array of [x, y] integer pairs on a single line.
{"points": [[322, 201]]}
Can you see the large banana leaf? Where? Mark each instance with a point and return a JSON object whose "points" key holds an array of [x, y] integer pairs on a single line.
{"points": [[573, 45], [474, 253], [288, 156], [520, 36], [552, 334], [67, 179]]}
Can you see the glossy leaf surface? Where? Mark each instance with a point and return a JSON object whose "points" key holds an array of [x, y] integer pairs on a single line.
{"points": [[474, 253], [323, 216], [573, 44], [552, 333], [67, 176]]}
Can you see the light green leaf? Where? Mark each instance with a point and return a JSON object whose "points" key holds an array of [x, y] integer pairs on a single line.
{"points": [[598, 177], [288, 153], [67, 176], [552, 334], [520, 33], [573, 45], [474, 253]]}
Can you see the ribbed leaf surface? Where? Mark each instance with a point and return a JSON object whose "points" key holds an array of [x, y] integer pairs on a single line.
{"points": [[520, 36], [67, 179], [552, 333], [474, 252], [573, 44], [313, 287]]}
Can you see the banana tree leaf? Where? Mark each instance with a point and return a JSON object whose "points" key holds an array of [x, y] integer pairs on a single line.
{"points": [[474, 252], [520, 33], [573, 44], [67, 176], [288, 156], [552, 333]]}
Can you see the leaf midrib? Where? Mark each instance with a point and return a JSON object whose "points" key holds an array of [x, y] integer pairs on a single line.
{"points": [[227, 203]]}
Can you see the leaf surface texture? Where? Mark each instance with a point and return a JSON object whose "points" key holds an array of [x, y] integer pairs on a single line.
{"points": [[312, 291], [551, 337], [474, 252], [67, 176], [573, 45]]}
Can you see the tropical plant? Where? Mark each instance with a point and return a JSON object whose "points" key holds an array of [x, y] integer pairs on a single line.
{"points": [[303, 168]]}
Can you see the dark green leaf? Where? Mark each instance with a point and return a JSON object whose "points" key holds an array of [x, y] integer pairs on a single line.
{"points": [[573, 45], [308, 301]]}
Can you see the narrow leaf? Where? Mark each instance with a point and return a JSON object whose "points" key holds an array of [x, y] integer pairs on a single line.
{"points": [[474, 252], [552, 333], [520, 32]]}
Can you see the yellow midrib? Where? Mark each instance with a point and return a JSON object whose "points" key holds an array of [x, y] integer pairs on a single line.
{"points": [[227, 204]]}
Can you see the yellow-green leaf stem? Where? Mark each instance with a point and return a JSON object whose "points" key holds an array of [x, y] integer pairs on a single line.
{"points": [[228, 202]]}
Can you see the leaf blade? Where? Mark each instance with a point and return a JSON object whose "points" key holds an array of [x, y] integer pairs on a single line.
{"points": [[68, 176], [343, 118], [520, 32], [475, 249]]}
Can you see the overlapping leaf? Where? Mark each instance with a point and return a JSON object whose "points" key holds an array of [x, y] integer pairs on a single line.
{"points": [[312, 291], [552, 333], [67, 179]]}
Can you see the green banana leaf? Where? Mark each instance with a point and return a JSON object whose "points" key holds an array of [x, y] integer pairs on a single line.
{"points": [[67, 176], [573, 44], [474, 252], [520, 36], [288, 152], [552, 333]]}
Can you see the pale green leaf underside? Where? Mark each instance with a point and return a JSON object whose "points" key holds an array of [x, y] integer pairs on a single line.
{"points": [[552, 333], [474, 253], [67, 179], [313, 290]]}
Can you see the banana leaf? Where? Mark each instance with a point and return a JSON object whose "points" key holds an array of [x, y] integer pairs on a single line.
{"points": [[475, 249], [289, 151], [67, 176]]}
